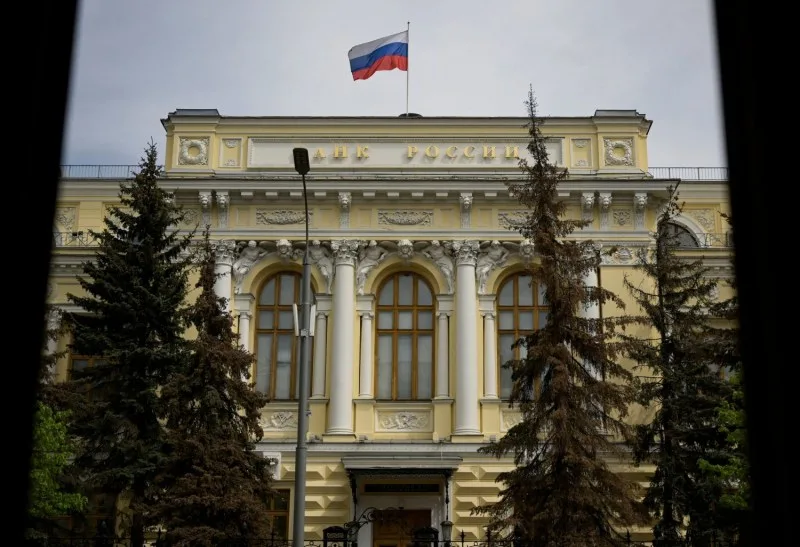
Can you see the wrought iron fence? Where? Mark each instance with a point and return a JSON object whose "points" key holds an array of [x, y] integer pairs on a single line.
{"points": [[690, 173], [74, 239]]}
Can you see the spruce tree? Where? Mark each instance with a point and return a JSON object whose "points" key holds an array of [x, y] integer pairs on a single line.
{"points": [[135, 288], [680, 380], [561, 491], [214, 487]]}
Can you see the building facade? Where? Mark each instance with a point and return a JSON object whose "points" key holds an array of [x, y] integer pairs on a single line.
{"points": [[419, 276]]}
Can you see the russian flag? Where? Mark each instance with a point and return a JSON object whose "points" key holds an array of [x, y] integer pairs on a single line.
{"points": [[385, 53]]}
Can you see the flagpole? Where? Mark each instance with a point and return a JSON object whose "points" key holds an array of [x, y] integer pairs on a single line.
{"points": [[408, 37]]}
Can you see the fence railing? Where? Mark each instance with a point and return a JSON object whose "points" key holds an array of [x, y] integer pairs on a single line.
{"points": [[74, 239], [690, 173]]}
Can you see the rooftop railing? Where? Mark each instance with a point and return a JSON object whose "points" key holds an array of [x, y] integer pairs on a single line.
{"points": [[120, 172]]}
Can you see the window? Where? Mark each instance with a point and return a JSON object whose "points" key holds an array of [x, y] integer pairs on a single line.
{"points": [[521, 309], [79, 363], [404, 339], [279, 514], [277, 348], [681, 237]]}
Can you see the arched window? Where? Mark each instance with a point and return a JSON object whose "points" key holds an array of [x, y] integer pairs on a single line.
{"points": [[277, 348], [404, 339], [521, 309], [682, 237]]}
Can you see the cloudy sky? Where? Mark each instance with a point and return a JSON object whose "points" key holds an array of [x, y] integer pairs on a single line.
{"points": [[136, 61]]}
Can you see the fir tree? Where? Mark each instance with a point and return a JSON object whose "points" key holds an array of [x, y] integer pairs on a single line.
{"points": [[729, 467], [561, 491], [214, 486], [135, 291], [682, 382]]}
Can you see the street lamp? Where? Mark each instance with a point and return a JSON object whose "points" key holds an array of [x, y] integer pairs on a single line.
{"points": [[301, 165]]}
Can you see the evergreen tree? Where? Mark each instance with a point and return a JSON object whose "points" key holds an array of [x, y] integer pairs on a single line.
{"points": [[53, 448], [561, 491], [135, 291], [729, 468], [214, 486], [683, 384]]}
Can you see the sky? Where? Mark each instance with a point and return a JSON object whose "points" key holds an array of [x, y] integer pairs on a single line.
{"points": [[136, 61]]}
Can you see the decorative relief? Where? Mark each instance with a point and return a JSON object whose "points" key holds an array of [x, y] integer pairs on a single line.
{"points": [[619, 151], [466, 207], [620, 256], [405, 218], [193, 151], [248, 254], [492, 255], [345, 199], [368, 258], [605, 205], [440, 255], [587, 205], [581, 163], [580, 143], [403, 421], [279, 421], [704, 217], [509, 419], [512, 220], [222, 208], [230, 143], [322, 258], [639, 206], [622, 217], [466, 252], [190, 217], [345, 251], [230, 163], [224, 251], [205, 206], [65, 218], [281, 217]]}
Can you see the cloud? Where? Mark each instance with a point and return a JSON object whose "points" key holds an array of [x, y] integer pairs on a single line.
{"points": [[137, 61]]}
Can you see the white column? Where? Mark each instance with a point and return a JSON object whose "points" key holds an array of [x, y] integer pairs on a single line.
{"points": [[320, 355], [244, 329], [489, 356], [443, 357], [340, 409], [224, 261], [466, 422], [365, 373], [593, 310]]}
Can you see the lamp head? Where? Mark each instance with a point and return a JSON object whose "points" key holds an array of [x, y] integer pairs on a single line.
{"points": [[301, 162]]}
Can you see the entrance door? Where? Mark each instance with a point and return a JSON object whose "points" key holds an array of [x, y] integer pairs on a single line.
{"points": [[395, 527]]}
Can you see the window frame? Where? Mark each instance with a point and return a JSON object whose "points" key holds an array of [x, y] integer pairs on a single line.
{"points": [[275, 308], [395, 332], [273, 511], [516, 332]]}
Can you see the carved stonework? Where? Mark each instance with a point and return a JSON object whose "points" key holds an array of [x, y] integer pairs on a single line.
{"points": [[247, 257], [193, 151], [191, 217], [587, 205], [622, 217], [205, 207], [230, 143], [621, 256], [368, 258], [405, 249], [345, 251], [491, 256], [704, 217], [466, 208], [345, 199], [605, 206], [512, 220], [405, 218], [639, 206], [322, 258], [526, 251], [619, 151], [509, 419], [224, 251], [466, 252], [403, 421], [222, 208], [230, 163], [281, 217], [580, 143], [279, 421], [440, 255], [65, 219]]}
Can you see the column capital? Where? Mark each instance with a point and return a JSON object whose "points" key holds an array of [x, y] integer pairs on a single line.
{"points": [[466, 252], [345, 251], [443, 314], [224, 251], [322, 315], [488, 315], [367, 315], [246, 314]]}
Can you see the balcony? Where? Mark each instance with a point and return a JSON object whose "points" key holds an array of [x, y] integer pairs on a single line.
{"points": [[74, 239], [120, 172]]}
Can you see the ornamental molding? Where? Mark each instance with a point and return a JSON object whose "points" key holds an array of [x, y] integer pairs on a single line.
{"points": [[618, 152], [405, 218], [282, 420], [281, 217], [512, 220], [193, 150], [65, 218], [403, 421], [509, 418]]}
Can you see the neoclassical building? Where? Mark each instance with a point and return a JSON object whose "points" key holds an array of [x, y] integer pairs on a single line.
{"points": [[419, 278]]}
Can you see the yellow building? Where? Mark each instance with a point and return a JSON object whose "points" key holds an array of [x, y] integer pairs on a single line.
{"points": [[419, 277]]}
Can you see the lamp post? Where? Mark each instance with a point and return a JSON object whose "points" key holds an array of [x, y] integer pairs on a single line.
{"points": [[302, 166]]}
